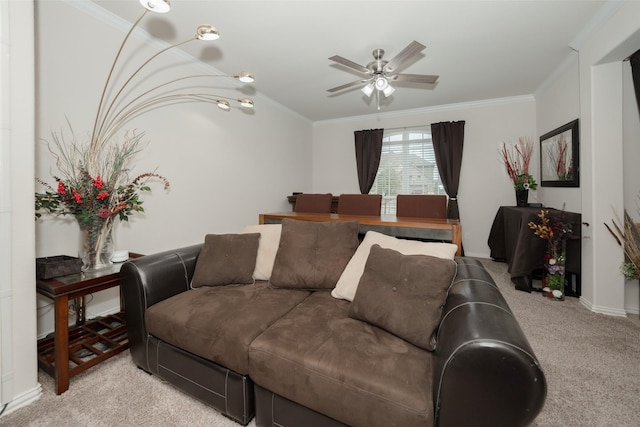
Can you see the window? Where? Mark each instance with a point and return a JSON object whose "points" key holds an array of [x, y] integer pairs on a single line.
{"points": [[407, 166]]}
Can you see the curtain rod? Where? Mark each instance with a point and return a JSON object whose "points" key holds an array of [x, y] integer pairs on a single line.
{"points": [[409, 127]]}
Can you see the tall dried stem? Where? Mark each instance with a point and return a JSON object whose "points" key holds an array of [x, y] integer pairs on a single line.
{"points": [[627, 235]]}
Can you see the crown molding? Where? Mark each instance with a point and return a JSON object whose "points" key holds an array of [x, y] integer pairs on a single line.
{"points": [[429, 110]]}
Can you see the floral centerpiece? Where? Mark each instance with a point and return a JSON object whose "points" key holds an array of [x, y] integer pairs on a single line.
{"points": [[95, 187], [516, 159], [556, 230]]}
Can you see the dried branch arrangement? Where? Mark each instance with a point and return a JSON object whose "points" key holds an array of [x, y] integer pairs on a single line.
{"points": [[627, 234]]}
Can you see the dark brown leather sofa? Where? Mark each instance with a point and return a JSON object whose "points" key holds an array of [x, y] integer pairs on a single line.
{"points": [[287, 368]]}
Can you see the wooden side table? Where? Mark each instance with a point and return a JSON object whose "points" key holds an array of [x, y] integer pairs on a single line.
{"points": [[72, 351]]}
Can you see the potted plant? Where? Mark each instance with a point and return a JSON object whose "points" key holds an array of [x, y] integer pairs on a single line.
{"points": [[516, 159]]}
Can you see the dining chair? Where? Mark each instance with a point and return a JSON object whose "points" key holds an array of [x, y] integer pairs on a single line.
{"points": [[360, 204], [313, 203], [421, 205]]}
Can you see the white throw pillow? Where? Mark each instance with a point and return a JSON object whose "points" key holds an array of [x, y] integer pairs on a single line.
{"points": [[267, 248], [348, 282]]}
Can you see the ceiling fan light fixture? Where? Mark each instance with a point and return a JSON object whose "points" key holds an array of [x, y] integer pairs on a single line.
{"points": [[207, 32], [245, 77], [381, 83], [388, 90], [367, 89], [159, 6]]}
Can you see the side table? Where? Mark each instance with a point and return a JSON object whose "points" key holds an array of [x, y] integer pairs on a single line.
{"points": [[72, 351]]}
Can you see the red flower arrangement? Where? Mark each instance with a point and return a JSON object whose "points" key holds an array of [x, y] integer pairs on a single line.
{"points": [[103, 195], [516, 162], [95, 189]]}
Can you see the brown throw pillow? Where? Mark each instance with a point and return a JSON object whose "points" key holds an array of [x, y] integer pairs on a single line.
{"points": [[403, 294], [312, 255], [226, 259]]}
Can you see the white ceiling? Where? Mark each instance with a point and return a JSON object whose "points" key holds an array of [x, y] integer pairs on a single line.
{"points": [[480, 49]]}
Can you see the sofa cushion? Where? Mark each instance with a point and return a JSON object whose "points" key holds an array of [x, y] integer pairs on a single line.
{"points": [[403, 294], [348, 282], [351, 371], [226, 259], [267, 248], [218, 323], [312, 255]]}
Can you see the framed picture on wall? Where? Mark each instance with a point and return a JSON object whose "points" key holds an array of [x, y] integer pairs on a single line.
{"points": [[559, 157]]}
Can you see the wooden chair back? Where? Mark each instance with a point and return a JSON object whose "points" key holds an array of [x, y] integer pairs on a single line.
{"points": [[421, 205], [313, 203], [360, 204]]}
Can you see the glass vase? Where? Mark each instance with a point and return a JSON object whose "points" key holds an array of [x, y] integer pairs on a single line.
{"points": [[555, 262], [96, 243]]}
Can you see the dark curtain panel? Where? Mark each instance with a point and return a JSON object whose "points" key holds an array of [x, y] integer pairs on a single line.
{"points": [[635, 72], [448, 139], [368, 150]]}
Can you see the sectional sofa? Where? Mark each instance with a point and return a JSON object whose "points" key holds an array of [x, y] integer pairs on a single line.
{"points": [[301, 324]]}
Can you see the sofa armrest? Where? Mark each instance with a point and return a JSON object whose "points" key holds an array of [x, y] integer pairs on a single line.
{"points": [[485, 372], [148, 280]]}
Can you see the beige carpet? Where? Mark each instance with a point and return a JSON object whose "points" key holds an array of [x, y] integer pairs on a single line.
{"points": [[591, 361]]}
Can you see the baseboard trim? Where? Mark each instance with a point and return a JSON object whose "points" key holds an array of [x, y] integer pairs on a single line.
{"points": [[23, 399], [603, 310]]}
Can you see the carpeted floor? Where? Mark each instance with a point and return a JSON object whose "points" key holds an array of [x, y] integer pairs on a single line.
{"points": [[591, 362]]}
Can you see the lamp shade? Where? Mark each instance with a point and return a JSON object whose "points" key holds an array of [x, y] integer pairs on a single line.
{"points": [[368, 89], [245, 102], [388, 90], [207, 32], [159, 6], [223, 105], [381, 83], [245, 77]]}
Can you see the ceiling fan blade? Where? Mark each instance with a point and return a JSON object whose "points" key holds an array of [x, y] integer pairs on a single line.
{"points": [[413, 48], [350, 64], [414, 78], [357, 82]]}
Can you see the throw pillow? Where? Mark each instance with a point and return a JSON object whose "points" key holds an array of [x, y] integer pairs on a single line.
{"points": [[348, 282], [403, 294], [267, 248], [312, 255], [226, 259]]}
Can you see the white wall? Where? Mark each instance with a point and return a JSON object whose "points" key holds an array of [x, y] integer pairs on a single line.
{"points": [[558, 103], [18, 358], [224, 167], [631, 153], [484, 186], [602, 136]]}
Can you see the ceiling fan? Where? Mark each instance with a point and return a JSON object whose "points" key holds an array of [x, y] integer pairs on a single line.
{"points": [[380, 72]]}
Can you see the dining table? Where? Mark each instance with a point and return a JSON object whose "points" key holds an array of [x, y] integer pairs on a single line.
{"points": [[426, 229]]}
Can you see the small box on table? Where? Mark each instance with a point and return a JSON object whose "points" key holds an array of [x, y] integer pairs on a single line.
{"points": [[56, 266]]}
